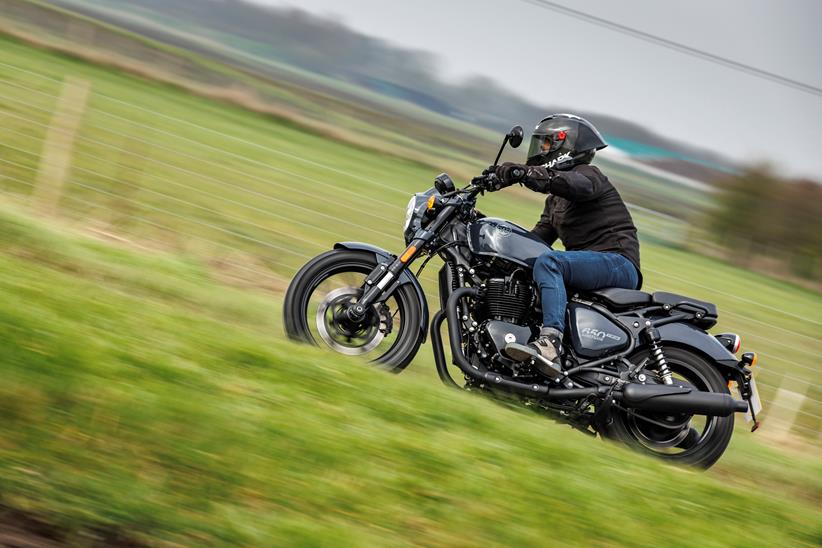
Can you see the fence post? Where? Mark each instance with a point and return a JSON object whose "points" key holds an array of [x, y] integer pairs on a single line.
{"points": [[783, 411], [55, 159]]}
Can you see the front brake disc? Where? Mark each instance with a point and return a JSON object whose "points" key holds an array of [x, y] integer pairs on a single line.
{"points": [[352, 340]]}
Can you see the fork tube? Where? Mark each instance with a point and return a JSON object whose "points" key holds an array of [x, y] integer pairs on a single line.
{"points": [[377, 286]]}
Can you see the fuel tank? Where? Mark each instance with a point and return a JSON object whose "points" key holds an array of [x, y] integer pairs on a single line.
{"points": [[506, 240]]}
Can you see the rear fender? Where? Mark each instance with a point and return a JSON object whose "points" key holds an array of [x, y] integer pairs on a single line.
{"points": [[692, 338], [406, 277]]}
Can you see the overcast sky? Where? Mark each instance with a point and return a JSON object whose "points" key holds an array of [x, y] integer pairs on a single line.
{"points": [[551, 58]]}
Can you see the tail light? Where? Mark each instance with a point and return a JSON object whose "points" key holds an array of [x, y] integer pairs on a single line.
{"points": [[731, 341]]}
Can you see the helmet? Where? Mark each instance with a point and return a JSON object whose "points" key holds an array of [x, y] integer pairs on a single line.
{"points": [[563, 141]]}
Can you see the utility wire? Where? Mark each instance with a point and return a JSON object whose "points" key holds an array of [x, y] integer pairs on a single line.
{"points": [[676, 46]]}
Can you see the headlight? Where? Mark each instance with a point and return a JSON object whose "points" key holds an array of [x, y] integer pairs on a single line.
{"points": [[409, 212]]}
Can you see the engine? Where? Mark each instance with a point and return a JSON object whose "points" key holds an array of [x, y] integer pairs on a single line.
{"points": [[507, 305], [508, 300]]}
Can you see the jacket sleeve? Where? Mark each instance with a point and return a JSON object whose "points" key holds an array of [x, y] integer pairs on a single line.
{"points": [[578, 185], [545, 230]]}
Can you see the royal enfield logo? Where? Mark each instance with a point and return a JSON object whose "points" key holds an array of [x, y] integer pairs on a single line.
{"points": [[503, 230], [598, 334]]}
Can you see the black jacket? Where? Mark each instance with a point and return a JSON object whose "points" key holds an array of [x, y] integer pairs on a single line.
{"points": [[585, 212]]}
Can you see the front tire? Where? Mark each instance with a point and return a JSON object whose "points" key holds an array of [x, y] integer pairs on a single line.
{"points": [[702, 441], [334, 278]]}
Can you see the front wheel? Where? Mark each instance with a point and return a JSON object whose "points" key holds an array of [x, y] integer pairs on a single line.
{"points": [[694, 440], [389, 333]]}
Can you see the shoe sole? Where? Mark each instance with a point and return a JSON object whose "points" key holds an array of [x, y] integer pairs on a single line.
{"points": [[523, 353], [520, 352]]}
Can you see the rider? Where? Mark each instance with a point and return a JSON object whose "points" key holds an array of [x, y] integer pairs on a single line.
{"points": [[586, 213]]}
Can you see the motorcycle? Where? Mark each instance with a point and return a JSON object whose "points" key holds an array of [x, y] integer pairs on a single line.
{"points": [[637, 367]]}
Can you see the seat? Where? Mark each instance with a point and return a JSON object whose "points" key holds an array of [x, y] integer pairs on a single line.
{"points": [[708, 310], [616, 297]]}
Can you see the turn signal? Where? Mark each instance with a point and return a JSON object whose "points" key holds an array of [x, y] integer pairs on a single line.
{"points": [[432, 201], [408, 253], [749, 358]]}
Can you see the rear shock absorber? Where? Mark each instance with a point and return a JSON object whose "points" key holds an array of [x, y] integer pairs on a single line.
{"points": [[657, 356]]}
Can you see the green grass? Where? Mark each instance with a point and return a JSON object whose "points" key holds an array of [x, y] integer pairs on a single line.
{"points": [[142, 395]]}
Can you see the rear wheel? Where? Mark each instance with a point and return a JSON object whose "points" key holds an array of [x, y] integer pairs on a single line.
{"points": [[389, 333], [695, 440]]}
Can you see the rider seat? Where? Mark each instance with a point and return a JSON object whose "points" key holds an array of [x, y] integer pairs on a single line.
{"points": [[618, 298]]}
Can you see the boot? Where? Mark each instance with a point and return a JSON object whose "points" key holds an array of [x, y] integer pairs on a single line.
{"points": [[545, 351]]}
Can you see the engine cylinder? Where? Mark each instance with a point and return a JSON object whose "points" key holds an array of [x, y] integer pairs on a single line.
{"points": [[508, 300]]}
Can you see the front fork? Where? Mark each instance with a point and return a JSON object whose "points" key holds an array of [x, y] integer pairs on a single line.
{"points": [[384, 279]]}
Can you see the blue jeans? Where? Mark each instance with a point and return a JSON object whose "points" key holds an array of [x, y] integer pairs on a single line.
{"points": [[581, 270]]}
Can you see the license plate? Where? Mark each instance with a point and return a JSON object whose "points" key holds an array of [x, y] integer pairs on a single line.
{"points": [[755, 403]]}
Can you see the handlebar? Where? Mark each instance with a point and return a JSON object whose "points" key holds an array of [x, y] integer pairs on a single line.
{"points": [[490, 182], [487, 182]]}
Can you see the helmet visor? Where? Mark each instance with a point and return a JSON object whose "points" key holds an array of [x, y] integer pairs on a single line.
{"points": [[543, 144]]}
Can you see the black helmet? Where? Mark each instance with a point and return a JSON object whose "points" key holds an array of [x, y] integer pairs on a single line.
{"points": [[563, 141]]}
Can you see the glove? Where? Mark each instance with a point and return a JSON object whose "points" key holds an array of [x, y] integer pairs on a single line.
{"points": [[509, 173], [539, 179]]}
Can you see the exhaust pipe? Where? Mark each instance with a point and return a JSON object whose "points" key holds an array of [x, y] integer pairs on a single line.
{"points": [[680, 399], [478, 373], [482, 375]]}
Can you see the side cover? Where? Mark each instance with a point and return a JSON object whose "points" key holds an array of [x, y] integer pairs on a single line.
{"points": [[592, 334], [384, 257]]}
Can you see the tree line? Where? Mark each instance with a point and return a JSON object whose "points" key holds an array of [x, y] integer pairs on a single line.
{"points": [[762, 215]]}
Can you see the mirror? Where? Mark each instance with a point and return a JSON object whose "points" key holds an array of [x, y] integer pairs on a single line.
{"points": [[515, 136], [444, 184]]}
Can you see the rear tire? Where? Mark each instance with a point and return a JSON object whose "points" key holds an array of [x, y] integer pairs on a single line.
{"points": [[700, 447], [355, 265]]}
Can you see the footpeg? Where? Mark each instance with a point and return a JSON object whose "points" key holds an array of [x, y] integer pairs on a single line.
{"points": [[523, 353]]}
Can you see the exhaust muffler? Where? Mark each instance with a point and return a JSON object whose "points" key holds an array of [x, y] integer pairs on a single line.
{"points": [[680, 399]]}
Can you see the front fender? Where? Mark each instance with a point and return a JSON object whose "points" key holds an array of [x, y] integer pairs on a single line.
{"points": [[692, 338], [407, 277]]}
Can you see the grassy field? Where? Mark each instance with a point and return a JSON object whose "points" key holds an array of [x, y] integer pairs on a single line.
{"points": [[143, 399], [148, 386]]}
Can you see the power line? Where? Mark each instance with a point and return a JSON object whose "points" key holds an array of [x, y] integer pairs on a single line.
{"points": [[676, 46]]}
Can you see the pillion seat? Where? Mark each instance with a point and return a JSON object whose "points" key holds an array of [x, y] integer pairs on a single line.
{"points": [[625, 299]]}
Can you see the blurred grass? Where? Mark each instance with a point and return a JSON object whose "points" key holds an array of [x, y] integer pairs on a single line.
{"points": [[140, 394]]}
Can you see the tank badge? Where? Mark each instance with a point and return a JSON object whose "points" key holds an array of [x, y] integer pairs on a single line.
{"points": [[503, 230]]}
